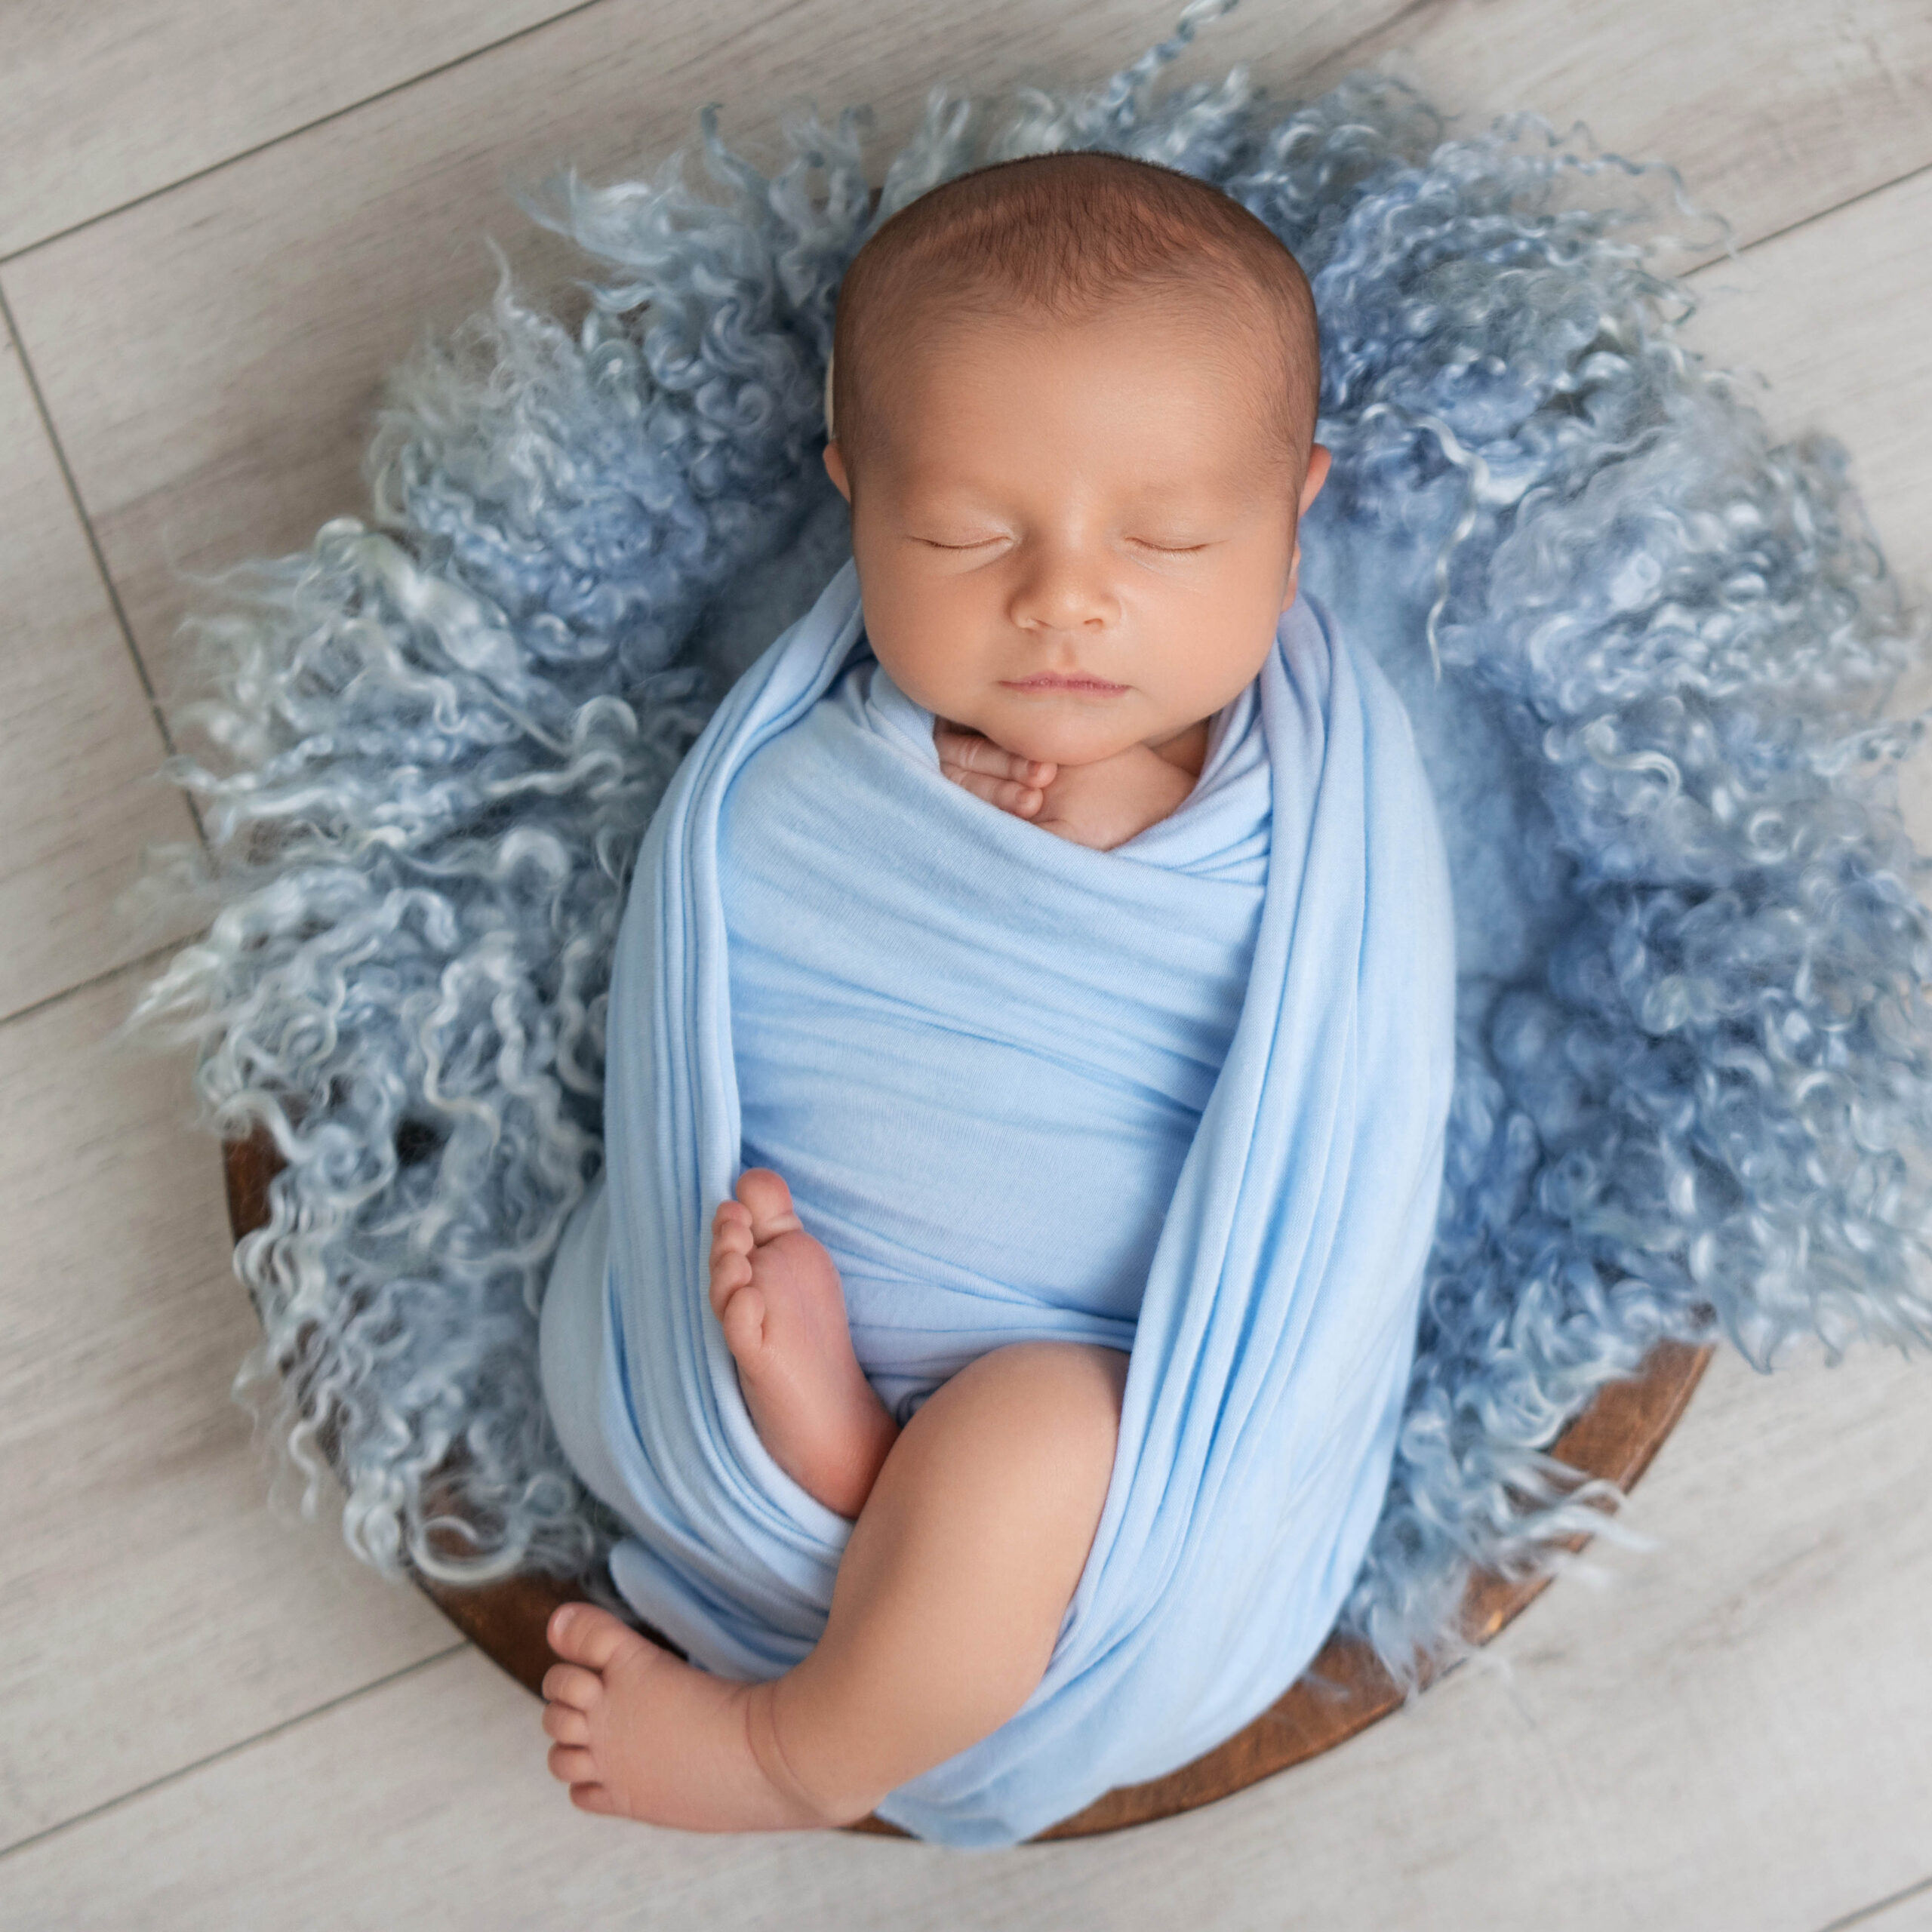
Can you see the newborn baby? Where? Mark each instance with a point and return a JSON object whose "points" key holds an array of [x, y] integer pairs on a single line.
{"points": [[1072, 404]]}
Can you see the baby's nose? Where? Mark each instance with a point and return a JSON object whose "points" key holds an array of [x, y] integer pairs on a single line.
{"points": [[1064, 593]]}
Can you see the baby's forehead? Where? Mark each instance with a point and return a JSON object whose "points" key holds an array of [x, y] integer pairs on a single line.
{"points": [[1219, 369], [1189, 479], [1200, 347]]}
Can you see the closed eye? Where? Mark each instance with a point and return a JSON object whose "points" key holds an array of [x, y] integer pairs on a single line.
{"points": [[1165, 549]]}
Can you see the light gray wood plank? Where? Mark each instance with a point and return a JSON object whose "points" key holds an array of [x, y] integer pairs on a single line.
{"points": [[1833, 315], [154, 1611], [92, 113], [1773, 111], [78, 743], [1733, 1731]]}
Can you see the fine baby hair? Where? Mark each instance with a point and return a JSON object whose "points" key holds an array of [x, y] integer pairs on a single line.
{"points": [[1066, 234], [1645, 649]]}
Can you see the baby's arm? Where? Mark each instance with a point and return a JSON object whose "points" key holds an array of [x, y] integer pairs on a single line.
{"points": [[1103, 804]]}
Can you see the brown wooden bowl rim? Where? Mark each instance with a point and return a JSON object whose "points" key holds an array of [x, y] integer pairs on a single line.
{"points": [[1345, 1690]]}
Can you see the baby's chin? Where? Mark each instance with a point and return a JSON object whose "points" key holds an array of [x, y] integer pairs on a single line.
{"points": [[1068, 732], [1064, 748]]}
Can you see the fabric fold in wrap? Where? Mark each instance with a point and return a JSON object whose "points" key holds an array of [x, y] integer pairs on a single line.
{"points": [[1187, 1097]]}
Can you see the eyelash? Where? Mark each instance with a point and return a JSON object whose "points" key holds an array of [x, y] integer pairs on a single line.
{"points": [[1165, 550]]}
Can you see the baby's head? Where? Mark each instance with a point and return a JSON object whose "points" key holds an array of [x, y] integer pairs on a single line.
{"points": [[1072, 400]]}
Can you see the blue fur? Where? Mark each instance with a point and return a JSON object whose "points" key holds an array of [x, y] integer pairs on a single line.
{"points": [[1645, 649]]}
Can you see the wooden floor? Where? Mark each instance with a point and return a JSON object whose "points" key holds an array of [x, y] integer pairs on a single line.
{"points": [[218, 223]]}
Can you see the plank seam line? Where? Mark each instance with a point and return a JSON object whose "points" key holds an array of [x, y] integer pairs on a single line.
{"points": [[289, 133], [1821, 214], [100, 556], [1347, 50], [93, 980], [228, 1751], [1866, 1914]]}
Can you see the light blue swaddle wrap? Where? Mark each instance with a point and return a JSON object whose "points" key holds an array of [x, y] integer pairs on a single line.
{"points": [[1186, 1097]]}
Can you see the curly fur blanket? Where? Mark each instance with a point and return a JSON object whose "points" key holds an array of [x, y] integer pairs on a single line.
{"points": [[1646, 650]]}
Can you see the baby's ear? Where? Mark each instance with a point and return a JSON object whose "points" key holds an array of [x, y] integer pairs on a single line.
{"points": [[1315, 476], [834, 468]]}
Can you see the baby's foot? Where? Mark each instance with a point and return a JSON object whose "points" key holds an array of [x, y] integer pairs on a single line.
{"points": [[775, 1291], [640, 1735]]}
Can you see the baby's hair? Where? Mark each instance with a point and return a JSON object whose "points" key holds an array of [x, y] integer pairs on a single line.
{"points": [[1063, 235]]}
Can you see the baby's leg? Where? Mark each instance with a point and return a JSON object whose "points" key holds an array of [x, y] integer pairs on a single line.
{"points": [[948, 1601], [956, 1579]]}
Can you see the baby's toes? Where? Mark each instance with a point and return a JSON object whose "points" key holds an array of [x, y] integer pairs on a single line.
{"points": [[581, 1633], [567, 1724], [730, 1271], [569, 1765], [764, 1193], [742, 1317], [731, 1227], [565, 1683], [594, 1798]]}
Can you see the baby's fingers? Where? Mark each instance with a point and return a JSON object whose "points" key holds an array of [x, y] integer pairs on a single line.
{"points": [[1022, 801], [975, 753]]}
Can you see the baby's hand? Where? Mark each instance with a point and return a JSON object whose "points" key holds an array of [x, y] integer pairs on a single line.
{"points": [[1002, 778], [1102, 805], [1105, 804]]}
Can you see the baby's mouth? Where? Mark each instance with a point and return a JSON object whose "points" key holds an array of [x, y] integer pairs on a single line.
{"points": [[1057, 681]]}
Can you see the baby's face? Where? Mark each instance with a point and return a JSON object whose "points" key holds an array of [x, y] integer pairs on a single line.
{"points": [[1044, 502]]}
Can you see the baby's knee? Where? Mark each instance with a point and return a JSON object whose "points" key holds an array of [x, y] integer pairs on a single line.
{"points": [[1066, 1395], [1034, 1423]]}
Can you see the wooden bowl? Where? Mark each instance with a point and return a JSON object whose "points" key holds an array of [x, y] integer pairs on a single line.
{"points": [[1616, 1436]]}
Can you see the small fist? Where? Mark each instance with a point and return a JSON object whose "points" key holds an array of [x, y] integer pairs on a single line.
{"points": [[1002, 778]]}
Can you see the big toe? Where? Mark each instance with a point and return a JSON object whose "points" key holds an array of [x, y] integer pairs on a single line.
{"points": [[581, 1633], [764, 1193]]}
